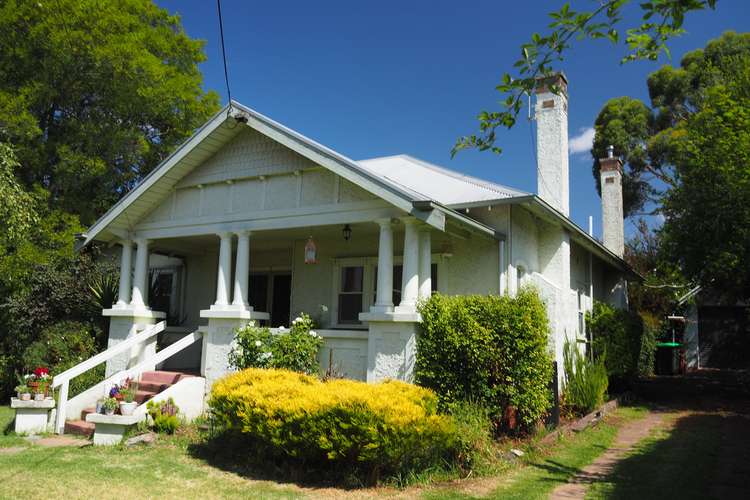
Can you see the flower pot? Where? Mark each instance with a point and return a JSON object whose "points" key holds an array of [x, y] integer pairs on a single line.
{"points": [[109, 411], [25, 396], [39, 396], [127, 408]]}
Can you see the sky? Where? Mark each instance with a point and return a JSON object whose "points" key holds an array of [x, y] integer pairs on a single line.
{"points": [[372, 79]]}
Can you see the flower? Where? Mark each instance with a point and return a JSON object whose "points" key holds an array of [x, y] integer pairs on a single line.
{"points": [[258, 343], [41, 372], [313, 334], [282, 328], [265, 355]]}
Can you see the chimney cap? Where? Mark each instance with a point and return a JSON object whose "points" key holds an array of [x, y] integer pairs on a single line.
{"points": [[556, 78]]}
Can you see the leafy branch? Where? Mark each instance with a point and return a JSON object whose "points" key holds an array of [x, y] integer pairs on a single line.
{"points": [[661, 21]]}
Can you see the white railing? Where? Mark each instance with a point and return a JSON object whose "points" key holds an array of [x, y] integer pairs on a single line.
{"points": [[63, 379]]}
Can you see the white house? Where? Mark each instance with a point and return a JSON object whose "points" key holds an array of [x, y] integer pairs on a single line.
{"points": [[251, 220]]}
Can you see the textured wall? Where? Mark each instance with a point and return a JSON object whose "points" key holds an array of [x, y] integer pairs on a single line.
{"points": [[552, 149], [613, 228]]}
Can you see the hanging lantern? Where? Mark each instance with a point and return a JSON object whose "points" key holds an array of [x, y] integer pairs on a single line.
{"points": [[311, 252], [347, 232]]}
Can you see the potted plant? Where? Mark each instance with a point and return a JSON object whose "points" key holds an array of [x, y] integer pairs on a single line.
{"points": [[41, 389], [128, 393], [110, 405], [38, 382], [24, 393]]}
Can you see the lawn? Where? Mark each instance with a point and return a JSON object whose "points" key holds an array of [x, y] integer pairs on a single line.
{"points": [[168, 469]]}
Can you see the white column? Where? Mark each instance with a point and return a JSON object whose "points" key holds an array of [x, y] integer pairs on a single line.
{"points": [[242, 270], [140, 281], [410, 277], [425, 263], [384, 300], [126, 269], [224, 275]]}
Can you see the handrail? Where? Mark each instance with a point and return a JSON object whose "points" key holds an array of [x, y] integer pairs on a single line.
{"points": [[160, 356], [103, 356]]}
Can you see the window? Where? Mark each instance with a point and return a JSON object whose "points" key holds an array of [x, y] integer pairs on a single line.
{"points": [[398, 273], [165, 293], [350, 298], [581, 295]]}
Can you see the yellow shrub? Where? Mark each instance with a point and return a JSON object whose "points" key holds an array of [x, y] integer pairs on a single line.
{"points": [[389, 426]]}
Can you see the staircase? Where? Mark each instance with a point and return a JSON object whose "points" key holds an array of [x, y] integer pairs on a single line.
{"points": [[151, 383]]}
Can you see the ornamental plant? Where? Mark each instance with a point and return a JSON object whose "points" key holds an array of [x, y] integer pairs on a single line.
{"points": [[491, 350], [585, 380], [164, 415], [293, 349], [341, 426], [110, 404]]}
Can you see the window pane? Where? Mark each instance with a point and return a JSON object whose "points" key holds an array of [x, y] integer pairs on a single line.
{"points": [[433, 273], [350, 305], [351, 278]]}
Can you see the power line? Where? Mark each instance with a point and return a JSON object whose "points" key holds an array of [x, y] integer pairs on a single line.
{"points": [[223, 51]]}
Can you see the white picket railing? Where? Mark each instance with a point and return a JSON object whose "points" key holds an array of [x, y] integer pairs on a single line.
{"points": [[63, 379]]}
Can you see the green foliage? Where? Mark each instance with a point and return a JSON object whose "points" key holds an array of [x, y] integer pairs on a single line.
{"points": [[662, 20], [622, 341], [294, 349], [110, 404], [340, 426], [164, 415], [17, 210], [488, 349], [585, 380], [93, 102], [475, 444], [63, 345]]}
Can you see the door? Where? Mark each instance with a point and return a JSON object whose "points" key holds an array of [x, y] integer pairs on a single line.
{"points": [[281, 300]]}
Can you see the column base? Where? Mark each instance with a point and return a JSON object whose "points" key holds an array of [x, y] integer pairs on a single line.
{"points": [[391, 345], [233, 312]]}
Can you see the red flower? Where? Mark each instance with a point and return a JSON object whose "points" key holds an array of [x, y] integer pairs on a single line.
{"points": [[41, 371]]}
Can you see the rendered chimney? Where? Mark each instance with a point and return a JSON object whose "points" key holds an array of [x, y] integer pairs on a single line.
{"points": [[552, 141], [613, 226]]}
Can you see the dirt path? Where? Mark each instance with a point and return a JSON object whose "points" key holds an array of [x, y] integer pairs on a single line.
{"points": [[627, 437]]}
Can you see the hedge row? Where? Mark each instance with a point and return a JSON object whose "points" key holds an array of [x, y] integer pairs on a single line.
{"points": [[492, 350], [369, 429]]}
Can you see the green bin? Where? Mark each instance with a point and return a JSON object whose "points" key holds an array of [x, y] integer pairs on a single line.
{"points": [[667, 358]]}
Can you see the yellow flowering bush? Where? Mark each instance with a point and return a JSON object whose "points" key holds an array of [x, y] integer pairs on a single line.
{"points": [[375, 429]]}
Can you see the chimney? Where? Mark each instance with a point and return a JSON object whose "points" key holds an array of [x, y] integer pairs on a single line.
{"points": [[613, 226], [552, 141]]}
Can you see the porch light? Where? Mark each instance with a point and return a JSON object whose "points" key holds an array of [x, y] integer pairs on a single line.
{"points": [[347, 231], [311, 252]]}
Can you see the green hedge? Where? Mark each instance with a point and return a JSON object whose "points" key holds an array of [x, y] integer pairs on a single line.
{"points": [[491, 350], [625, 339]]}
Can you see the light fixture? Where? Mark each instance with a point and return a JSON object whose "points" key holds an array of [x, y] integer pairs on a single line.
{"points": [[347, 232], [311, 252]]}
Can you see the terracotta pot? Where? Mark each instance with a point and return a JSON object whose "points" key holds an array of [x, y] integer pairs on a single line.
{"points": [[34, 386], [25, 396]]}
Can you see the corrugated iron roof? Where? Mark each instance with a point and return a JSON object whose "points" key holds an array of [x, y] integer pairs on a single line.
{"points": [[426, 181]]}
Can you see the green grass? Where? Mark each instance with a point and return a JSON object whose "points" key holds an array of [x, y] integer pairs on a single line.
{"points": [[541, 471], [163, 470], [700, 456]]}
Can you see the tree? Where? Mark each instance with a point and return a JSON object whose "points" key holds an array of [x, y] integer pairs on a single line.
{"points": [[642, 135], [94, 94], [661, 21], [707, 213]]}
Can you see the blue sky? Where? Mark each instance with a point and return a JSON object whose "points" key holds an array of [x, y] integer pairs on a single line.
{"points": [[379, 78]]}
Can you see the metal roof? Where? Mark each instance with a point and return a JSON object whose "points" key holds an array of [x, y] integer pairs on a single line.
{"points": [[426, 181]]}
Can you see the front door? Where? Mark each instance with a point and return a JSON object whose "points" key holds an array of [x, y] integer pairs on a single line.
{"points": [[272, 293]]}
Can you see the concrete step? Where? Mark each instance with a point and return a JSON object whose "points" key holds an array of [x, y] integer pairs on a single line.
{"points": [[155, 387], [87, 411], [143, 396], [79, 427]]}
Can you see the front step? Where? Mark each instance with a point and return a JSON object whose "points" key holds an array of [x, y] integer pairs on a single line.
{"points": [[150, 384]]}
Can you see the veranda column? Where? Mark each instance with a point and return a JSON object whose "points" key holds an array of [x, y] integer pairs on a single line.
{"points": [[126, 269], [384, 299], [410, 277], [425, 263], [242, 270], [140, 281], [224, 275]]}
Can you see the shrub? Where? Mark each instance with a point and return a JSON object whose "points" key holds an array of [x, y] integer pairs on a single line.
{"points": [[343, 426], [295, 349], [474, 440], [488, 349], [624, 340], [585, 380], [62, 346], [164, 415]]}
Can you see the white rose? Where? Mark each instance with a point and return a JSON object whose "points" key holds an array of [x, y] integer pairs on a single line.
{"points": [[313, 333], [258, 343]]}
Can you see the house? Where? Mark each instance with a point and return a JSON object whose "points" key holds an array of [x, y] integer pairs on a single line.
{"points": [[249, 220]]}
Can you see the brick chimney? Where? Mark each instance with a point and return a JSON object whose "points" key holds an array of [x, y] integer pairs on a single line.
{"points": [[613, 226], [552, 141]]}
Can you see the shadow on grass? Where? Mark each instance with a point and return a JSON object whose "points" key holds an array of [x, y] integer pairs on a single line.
{"points": [[240, 455], [703, 456]]}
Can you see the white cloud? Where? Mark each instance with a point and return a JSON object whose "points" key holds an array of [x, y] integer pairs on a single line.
{"points": [[582, 142]]}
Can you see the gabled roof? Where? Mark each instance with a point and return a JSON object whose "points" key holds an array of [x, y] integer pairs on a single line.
{"points": [[222, 128], [432, 182]]}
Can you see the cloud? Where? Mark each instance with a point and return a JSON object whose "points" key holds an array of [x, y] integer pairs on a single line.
{"points": [[582, 142]]}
